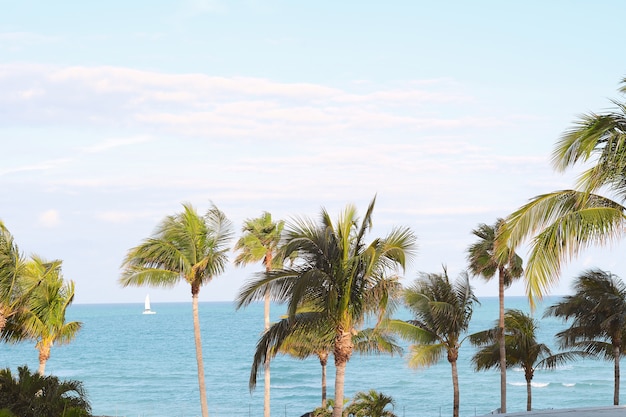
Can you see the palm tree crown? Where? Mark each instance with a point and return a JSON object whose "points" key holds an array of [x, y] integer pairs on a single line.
{"points": [[566, 222]]}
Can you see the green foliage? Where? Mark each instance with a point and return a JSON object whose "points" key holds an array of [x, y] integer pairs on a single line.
{"points": [[563, 223], [370, 404], [32, 395]]}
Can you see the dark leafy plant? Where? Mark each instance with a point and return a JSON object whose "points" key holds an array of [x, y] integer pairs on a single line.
{"points": [[31, 395]]}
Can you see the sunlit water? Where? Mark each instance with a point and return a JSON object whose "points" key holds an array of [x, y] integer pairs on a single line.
{"points": [[144, 365]]}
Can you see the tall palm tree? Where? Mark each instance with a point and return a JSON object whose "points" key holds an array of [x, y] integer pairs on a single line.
{"points": [[260, 242], [44, 317], [598, 312], [344, 279], [522, 349], [483, 261], [442, 312], [371, 404], [185, 247], [563, 223]]}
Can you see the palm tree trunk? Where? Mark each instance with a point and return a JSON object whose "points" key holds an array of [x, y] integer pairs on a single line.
{"points": [[455, 387], [616, 356], [501, 342], [195, 289], [529, 396], [342, 351], [323, 361], [44, 355], [266, 365]]}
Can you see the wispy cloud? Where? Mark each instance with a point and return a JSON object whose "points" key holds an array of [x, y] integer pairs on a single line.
{"points": [[49, 218], [116, 143], [202, 105]]}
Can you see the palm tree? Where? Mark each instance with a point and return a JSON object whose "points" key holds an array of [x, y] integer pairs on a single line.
{"points": [[33, 395], [301, 338], [563, 223], [483, 262], [442, 312], [371, 404], [13, 291], [185, 247], [598, 313], [260, 240], [522, 349], [44, 318], [342, 278]]}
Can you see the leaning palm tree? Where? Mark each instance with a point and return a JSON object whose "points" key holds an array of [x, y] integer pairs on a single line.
{"points": [[185, 247], [522, 349], [371, 404], [344, 279], [563, 223], [442, 312], [44, 317], [483, 261], [598, 312], [260, 242]]}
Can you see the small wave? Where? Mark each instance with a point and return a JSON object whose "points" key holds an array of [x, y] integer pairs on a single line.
{"points": [[539, 384], [568, 384]]}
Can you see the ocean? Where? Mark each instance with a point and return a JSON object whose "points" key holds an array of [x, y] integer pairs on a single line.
{"points": [[136, 365]]}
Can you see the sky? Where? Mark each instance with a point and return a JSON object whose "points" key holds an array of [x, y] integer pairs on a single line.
{"points": [[113, 114]]}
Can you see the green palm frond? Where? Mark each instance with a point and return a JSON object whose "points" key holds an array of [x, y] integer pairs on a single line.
{"points": [[185, 246], [423, 356]]}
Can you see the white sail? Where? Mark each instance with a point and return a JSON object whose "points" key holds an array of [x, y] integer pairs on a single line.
{"points": [[147, 306]]}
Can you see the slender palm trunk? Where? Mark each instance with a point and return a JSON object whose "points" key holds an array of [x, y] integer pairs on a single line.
{"points": [[616, 357], [529, 396], [266, 365], [195, 289], [343, 351], [44, 355], [501, 342], [455, 387], [323, 361]]}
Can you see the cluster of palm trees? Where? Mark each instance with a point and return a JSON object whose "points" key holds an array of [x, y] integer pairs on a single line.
{"points": [[34, 298], [334, 282]]}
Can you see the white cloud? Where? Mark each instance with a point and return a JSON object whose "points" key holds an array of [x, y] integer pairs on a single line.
{"points": [[49, 218], [116, 143]]}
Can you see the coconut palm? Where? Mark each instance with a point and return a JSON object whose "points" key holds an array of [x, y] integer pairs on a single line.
{"points": [[598, 312], [563, 223], [483, 261], [33, 395], [522, 349], [442, 311], [185, 247], [260, 242], [342, 278], [44, 317], [371, 404], [301, 338], [13, 290]]}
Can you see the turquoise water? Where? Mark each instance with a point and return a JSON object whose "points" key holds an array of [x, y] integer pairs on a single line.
{"points": [[136, 365]]}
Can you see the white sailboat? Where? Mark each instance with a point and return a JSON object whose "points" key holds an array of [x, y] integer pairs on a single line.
{"points": [[147, 306]]}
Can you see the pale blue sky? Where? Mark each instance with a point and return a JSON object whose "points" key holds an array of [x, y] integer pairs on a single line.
{"points": [[114, 113]]}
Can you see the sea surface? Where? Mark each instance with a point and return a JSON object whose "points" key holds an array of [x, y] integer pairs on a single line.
{"points": [[137, 365]]}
